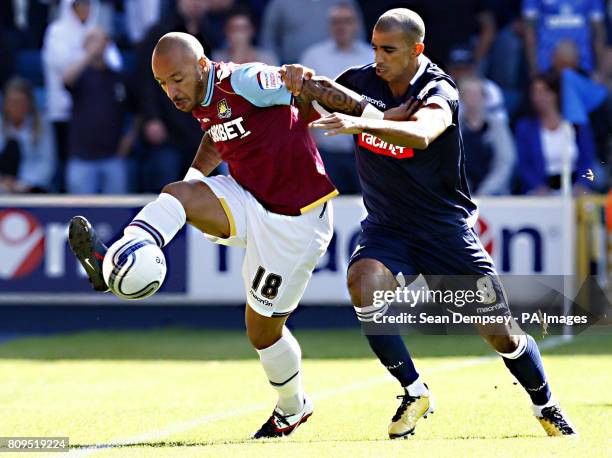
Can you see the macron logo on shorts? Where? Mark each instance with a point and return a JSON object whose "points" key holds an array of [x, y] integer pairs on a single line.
{"points": [[379, 146], [269, 80]]}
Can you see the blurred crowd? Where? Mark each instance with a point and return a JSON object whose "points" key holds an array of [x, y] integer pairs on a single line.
{"points": [[82, 114]]}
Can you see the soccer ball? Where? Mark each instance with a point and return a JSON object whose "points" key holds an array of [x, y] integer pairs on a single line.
{"points": [[134, 268]]}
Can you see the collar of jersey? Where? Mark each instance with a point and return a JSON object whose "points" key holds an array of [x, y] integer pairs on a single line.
{"points": [[423, 62], [210, 88]]}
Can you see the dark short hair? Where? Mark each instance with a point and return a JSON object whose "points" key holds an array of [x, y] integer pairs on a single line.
{"points": [[409, 22], [237, 11], [552, 80]]}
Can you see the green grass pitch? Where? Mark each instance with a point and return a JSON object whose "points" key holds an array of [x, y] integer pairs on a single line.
{"points": [[185, 393]]}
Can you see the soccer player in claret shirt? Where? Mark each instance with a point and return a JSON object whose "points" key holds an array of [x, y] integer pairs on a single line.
{"points": [[420, 214], [276, 203]]}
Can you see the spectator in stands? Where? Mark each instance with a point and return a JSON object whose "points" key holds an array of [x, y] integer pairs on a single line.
{"points": [[27, 149], [585, 101], [546, 142], [565, 55], [488, 142], [290, 26], [63, 45], [551, 21], [27, 18], [22, 24], [506, 59], [257, 8], [217, 16], [96, 161], [140, 15], [239, 33], [170, 137], [330, 58], [462, 64]]}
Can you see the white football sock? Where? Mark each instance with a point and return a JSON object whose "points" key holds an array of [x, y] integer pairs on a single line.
{"points": [[159, 220], [537, 410], [417, 388], [282, 363]]}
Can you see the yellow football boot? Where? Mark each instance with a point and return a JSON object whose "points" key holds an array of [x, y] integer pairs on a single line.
{"points": [[409, 412], [554, 421]]}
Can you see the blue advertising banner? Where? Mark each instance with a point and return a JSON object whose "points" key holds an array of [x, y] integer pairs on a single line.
{"points": [[525, 236], [35, 257]]}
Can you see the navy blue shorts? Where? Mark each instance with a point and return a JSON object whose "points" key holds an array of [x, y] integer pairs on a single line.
{"points": [[457, 254], [452, 262]]}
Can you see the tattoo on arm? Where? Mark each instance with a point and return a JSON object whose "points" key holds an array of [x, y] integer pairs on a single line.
{"points": [[332, 96]]}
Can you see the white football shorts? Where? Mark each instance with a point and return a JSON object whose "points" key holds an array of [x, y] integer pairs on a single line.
{"points": [[281, 251]]}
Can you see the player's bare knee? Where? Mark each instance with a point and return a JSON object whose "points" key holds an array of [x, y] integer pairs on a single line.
{"points": [[353, 283], [263, 338], [364, 278], [181, 190], [360, 285]]}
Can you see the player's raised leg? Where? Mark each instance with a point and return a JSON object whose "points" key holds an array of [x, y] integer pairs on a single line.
{"points": [[364, 277], [281, 358], [522, 357], [159, 221]]}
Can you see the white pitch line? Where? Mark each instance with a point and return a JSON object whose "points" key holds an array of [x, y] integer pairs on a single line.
{"points": [[183, 426]]}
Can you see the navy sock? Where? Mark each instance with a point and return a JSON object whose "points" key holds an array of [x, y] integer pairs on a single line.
{"points": [[393, 354], [390, 347], [526, 365]]}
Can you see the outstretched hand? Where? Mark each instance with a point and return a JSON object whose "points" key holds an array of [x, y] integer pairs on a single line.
{"points": [[338, 123], [293, 75]]}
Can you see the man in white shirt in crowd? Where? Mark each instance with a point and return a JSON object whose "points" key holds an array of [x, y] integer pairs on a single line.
{"points": [[332, 57], [460, 64]]}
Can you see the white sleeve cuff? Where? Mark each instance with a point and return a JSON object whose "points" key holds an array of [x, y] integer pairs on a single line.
{"points": [[193, 174], [371, 112]]}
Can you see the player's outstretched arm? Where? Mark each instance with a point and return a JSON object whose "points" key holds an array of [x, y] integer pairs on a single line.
{"points": [[307, 88], [206, 160], [427, 124], [333, 97]]}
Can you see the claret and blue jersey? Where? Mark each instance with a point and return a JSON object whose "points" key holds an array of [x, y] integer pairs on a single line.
{"points": [[248, 113]]}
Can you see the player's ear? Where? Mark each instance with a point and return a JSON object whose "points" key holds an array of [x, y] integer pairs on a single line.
{"points": [[204, 64], [418, 49]]}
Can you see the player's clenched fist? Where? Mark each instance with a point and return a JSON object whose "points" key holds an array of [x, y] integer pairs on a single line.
{"points": [[293, 76]]}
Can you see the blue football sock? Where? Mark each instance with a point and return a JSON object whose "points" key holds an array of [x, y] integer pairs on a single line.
{"points": [[393, 354], [390, 350], [525, 363]]}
